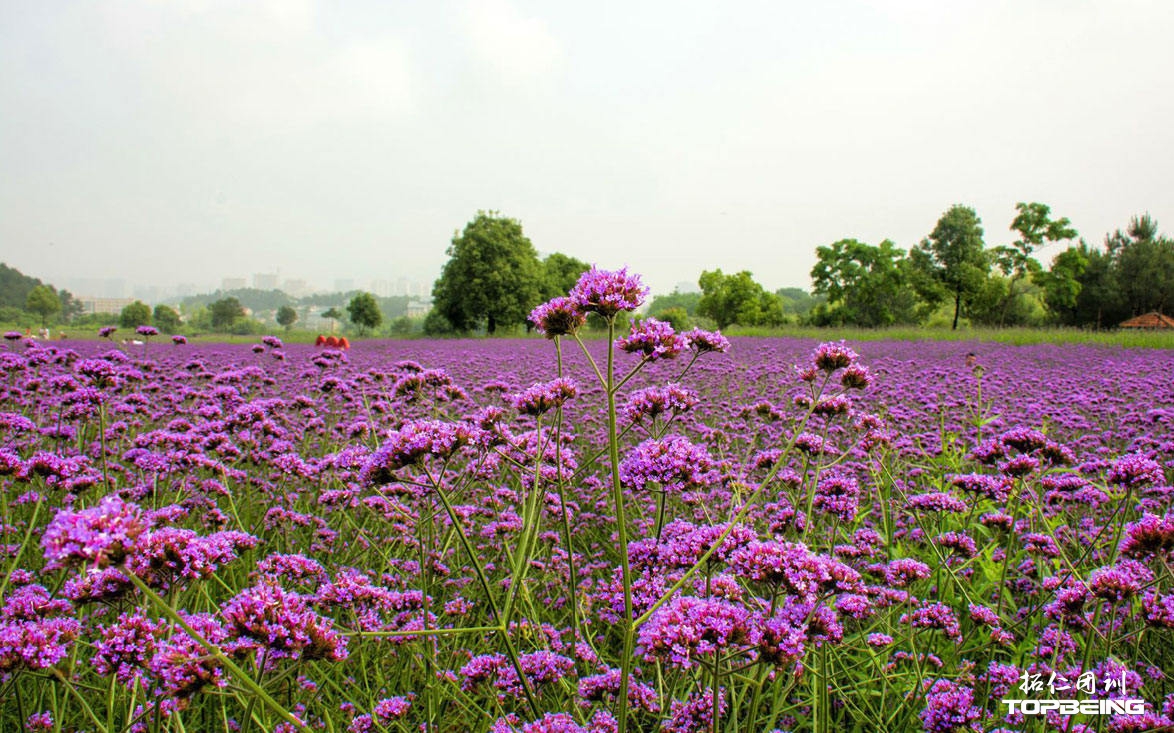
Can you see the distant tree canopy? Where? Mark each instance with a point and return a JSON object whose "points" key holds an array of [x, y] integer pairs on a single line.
{"points": [[134, 315], [251, 298], [865, 285], [1132, 275], [797, 301], [43, 301], [493, 275], [225, 313], [686, 302], [729, 299], [287, 316], [560, 272], [166, 319], [16, 288], [950, 262], [364, 312]]}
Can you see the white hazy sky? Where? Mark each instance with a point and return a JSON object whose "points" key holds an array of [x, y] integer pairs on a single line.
{"points": [[167, 141]]}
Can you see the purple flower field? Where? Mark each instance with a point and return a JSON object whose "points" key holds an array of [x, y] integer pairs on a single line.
{"points": [[655, 531]]}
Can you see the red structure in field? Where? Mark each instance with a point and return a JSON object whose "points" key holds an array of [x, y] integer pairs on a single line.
{"points": [[332, 342]]}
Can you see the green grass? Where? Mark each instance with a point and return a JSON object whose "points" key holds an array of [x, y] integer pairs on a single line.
{"points": [[1127, 338], [1016, 336]]}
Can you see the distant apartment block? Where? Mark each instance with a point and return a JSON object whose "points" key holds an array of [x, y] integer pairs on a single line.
{"points": [[382, 288], [234, 283], [297, 288], [417, 308], [104, 305], [265, 280]]}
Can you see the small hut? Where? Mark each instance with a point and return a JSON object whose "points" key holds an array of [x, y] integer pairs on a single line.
{"points": [[1153, 319]]}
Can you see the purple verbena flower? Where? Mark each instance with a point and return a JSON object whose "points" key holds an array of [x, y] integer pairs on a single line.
{"points": [[543, 396], [101, 535], [558, 317], [608, 292], [653, 339]]}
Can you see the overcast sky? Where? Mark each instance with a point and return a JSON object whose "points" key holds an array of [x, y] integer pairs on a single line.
{"points": [[170, 141]]}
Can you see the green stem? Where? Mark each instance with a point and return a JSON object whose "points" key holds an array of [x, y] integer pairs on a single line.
{"points": [[242, 678], [629, 629]]}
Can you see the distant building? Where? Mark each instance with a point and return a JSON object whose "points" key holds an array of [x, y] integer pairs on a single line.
{"points": [[297, 288], [148, 293], [233, 283], [104, 305], [382, 288], [265, 280], [1153, 319], [417, 308]]}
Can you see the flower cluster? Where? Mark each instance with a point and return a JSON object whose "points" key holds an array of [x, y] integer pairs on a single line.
{"points": [[99, 536], [608, 292], [412, 444], [653, 339], [688, 629], [673, 462], [543, 397], [558, 317]]}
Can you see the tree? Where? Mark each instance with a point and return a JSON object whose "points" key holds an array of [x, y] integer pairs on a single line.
{"points": [[865, 285], [1062, 283], [738, 299], [71, 307], [560, 272], [287, 316], [225, 313], [364, 312], [676, 299], [43, 301], [798, 302], [951, 260], [493, 275], [334, 314], [1145, 266], [134, 315], [1034, 226], [166, 319]]}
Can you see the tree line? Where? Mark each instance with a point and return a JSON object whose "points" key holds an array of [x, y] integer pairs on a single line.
{"points": [[494, 277], [952, 275]]}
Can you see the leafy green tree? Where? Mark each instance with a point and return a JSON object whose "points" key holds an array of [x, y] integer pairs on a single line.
{"points": [[1062, 283], [798, 302], [729, 299], [166, 319], [951, 263], [335, 315], [1145, 266], [287, 316], [15, 287], [865, 285], [225, 313], [435, 324], [71, 307], [134, 315], [493, 275], [43, 301], [676, 299], [560, 272], [1035, 226], [402, 326], [364, 312], [1099, 302], [675, 316]]}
